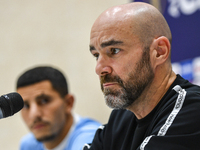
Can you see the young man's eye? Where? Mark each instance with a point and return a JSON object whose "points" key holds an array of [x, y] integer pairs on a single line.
{"points": [[26, 105], [115, 50], [44, 101]]}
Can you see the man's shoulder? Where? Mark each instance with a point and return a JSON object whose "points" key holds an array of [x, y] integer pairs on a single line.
{"points": [[28, 138], [85, 123], [117, 114], [29, 142], [84, 131], [188, 86]]}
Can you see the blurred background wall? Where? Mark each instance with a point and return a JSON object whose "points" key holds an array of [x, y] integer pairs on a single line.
{"points": [[50, 32], [57, 32]]}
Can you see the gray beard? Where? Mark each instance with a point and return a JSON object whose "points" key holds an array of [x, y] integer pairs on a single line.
{"points": [[117, 100], [132, 89]]}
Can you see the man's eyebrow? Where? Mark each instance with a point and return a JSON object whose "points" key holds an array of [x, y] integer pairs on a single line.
{"points": [[110, 43], [41, 96], [92, 48], [105, 44]]}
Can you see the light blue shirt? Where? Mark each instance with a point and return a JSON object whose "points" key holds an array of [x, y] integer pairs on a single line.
{"points": [[83, 132]]}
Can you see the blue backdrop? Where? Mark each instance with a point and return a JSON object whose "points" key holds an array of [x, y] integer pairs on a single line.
{"points": [[183, 17]]}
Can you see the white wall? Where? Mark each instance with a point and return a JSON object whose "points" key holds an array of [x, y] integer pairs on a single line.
{"points": [[53, 32]]}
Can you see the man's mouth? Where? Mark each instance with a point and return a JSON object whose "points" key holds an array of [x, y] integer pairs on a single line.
{"points": [[105, 85], [38, 126]]}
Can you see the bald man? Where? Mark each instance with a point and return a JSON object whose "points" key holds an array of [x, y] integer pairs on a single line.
{"points": [[154, 109]]}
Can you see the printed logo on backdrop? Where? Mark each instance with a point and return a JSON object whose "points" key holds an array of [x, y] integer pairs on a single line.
{"points": [[175, 7], [183, 17], [186, 7]]}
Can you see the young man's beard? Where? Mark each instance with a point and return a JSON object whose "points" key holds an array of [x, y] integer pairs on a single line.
{"points": [[47, 138], [131, 89], [51, 135]]}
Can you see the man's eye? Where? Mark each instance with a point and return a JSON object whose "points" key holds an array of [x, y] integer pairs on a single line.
{"points": [[96, 55], [44, 101], [115, 50], [26, 106]]}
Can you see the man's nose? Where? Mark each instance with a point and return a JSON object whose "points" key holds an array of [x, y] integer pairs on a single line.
{"points": [[103, 66], [35, 111]]}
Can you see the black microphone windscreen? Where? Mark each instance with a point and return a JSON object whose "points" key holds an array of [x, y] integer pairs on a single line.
{"points": [[11, 103]]}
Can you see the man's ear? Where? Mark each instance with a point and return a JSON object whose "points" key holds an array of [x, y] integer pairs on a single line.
{"points": [[160, 50], [69, 101]]}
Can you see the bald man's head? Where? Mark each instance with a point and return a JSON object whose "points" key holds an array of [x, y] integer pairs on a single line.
{"points": [[140, 19]]}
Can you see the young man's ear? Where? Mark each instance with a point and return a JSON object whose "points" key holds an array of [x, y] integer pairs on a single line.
{"points": [[69, 101]]}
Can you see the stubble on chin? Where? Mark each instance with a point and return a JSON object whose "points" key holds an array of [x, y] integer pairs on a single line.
{"points": [[115, 99], [46, 138]]}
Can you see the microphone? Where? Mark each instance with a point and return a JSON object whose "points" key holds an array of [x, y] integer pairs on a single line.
{"points": [[10, 104]]}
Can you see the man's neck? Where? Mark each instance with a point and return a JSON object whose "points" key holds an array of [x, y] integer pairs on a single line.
{"points": [[63, 133]]}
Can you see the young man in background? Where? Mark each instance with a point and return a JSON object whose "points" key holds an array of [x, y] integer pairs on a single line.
{"points": [[48, 113]]}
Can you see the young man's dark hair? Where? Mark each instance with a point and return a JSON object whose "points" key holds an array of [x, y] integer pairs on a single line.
{"points": [[42, 73]]}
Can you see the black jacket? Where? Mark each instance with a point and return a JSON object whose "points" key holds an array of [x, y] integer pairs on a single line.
{"points": [[174, 124]]}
